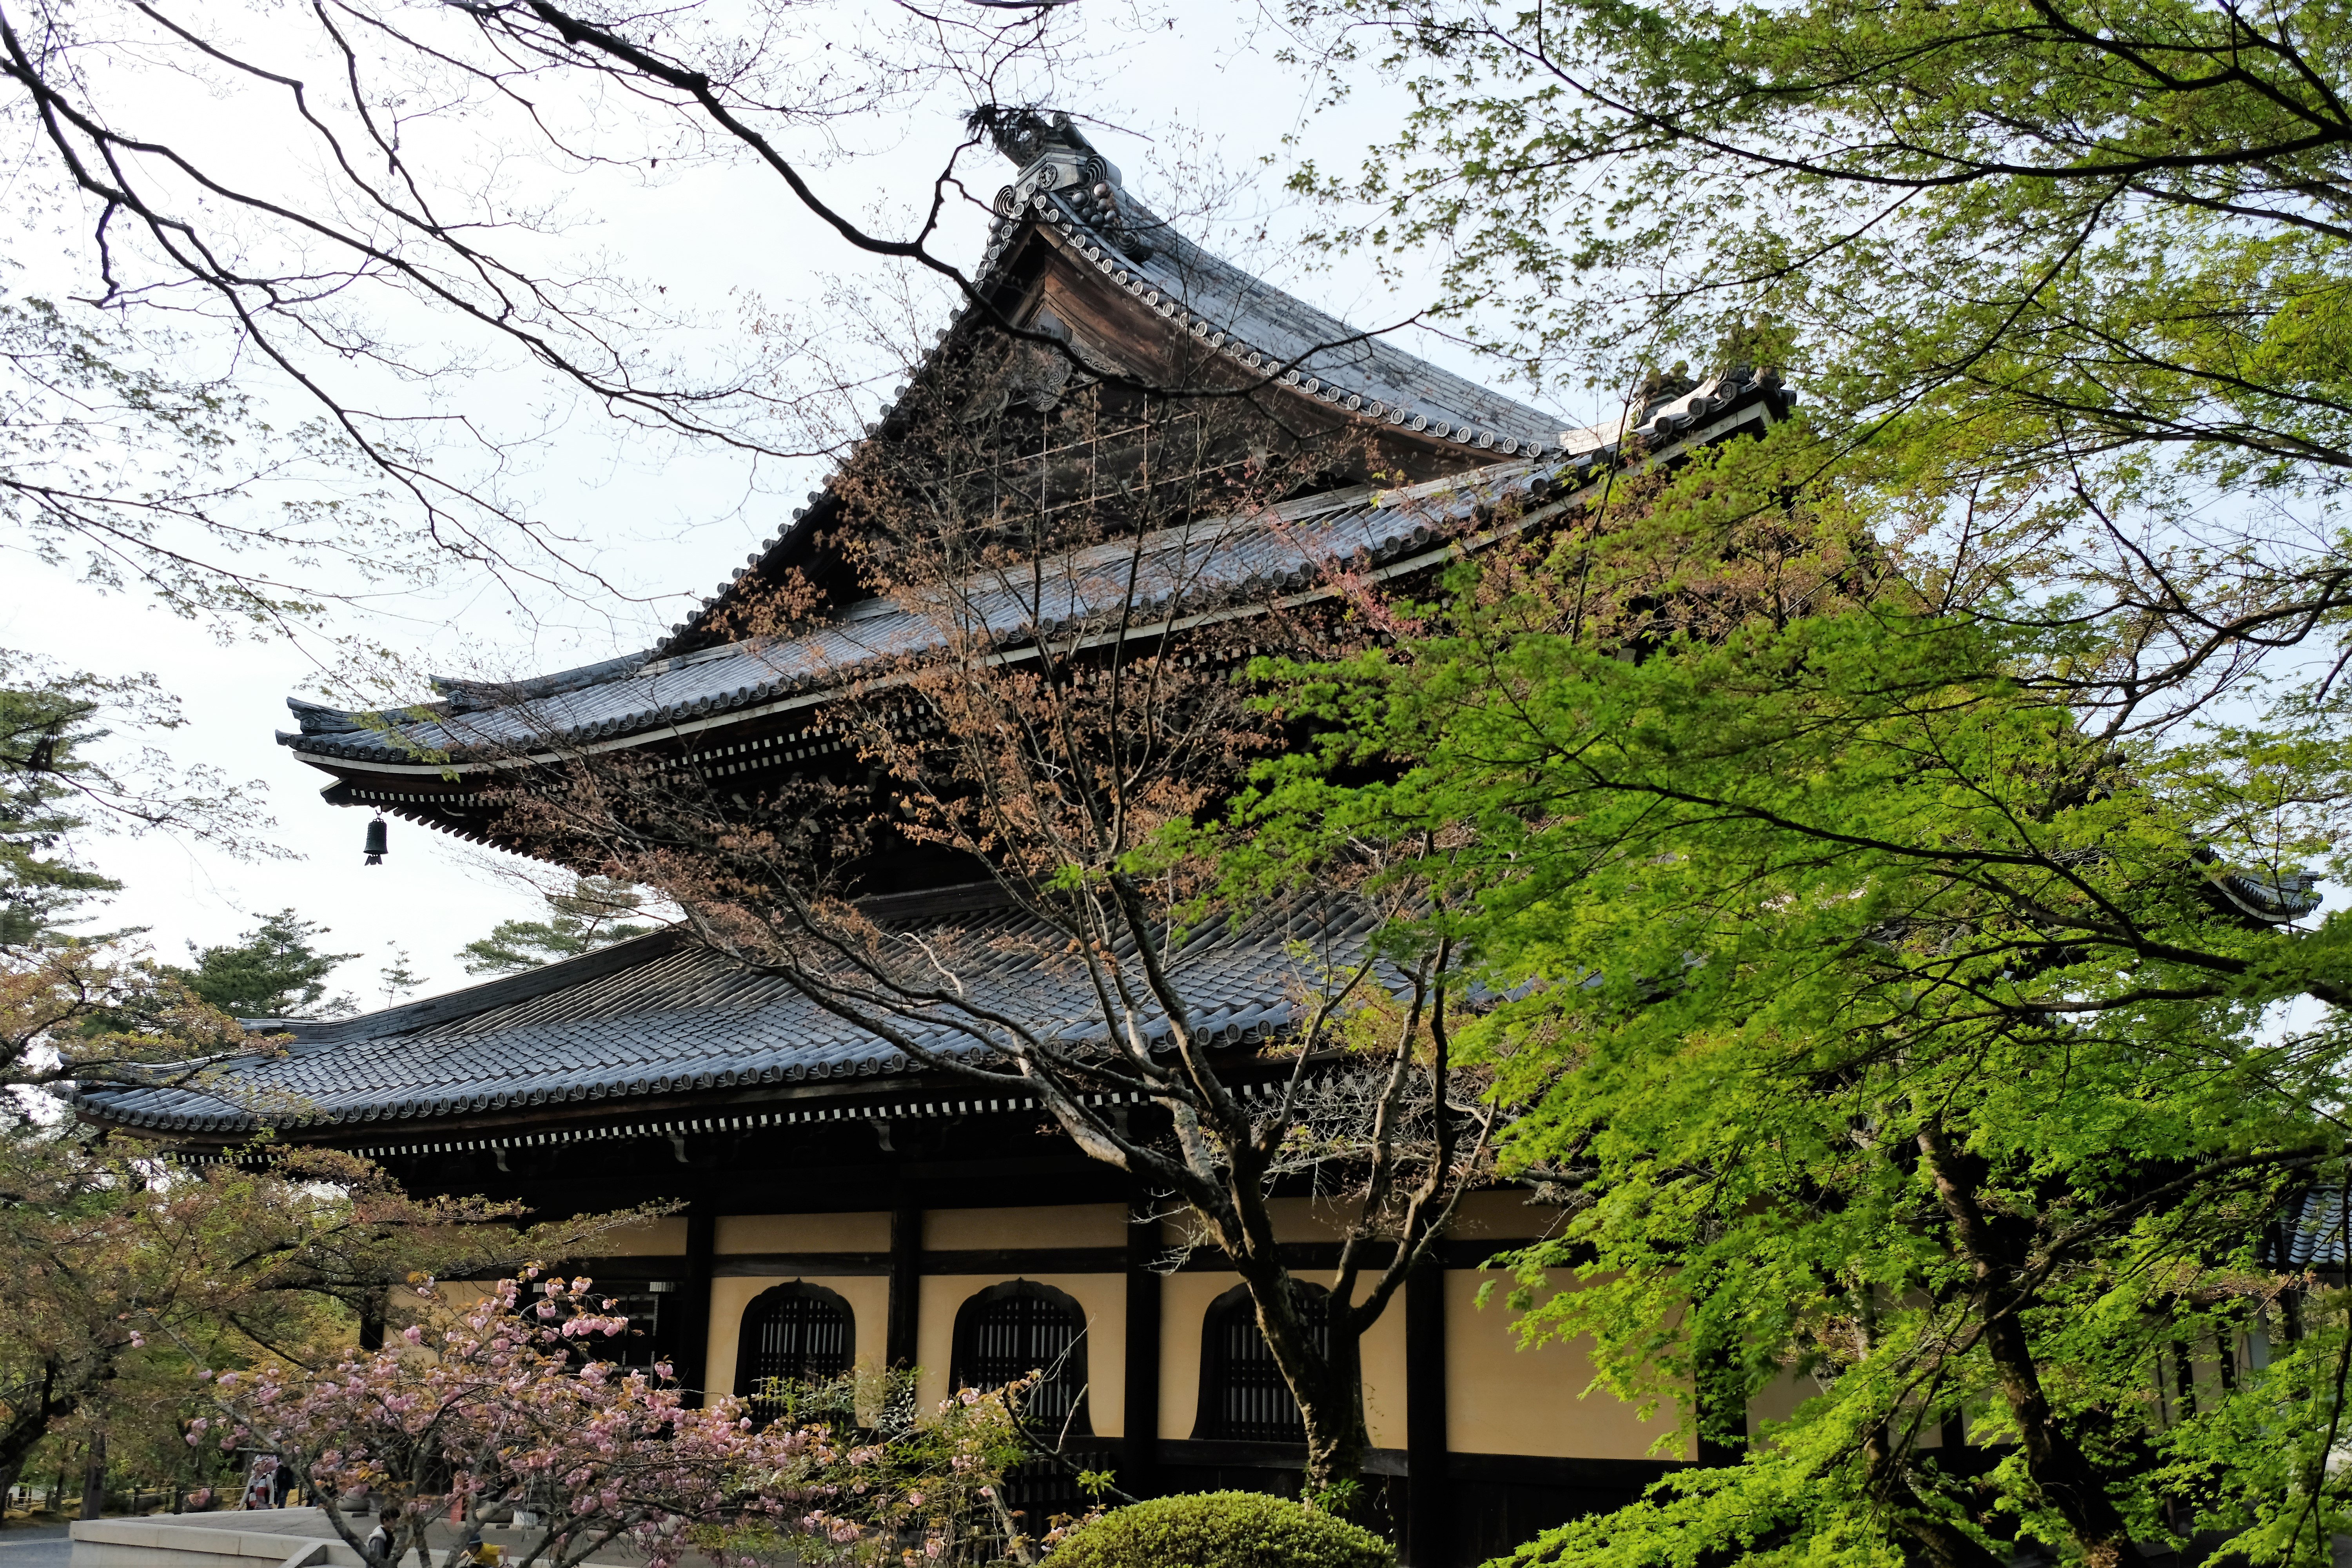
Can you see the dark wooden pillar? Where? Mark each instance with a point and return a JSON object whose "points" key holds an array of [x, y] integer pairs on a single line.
{"points": [[899, 1340], [694, 1308], [1429, 1523], [1139, 1449], [371, 1306]]}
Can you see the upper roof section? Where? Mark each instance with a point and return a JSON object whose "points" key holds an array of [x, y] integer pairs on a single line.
{"points": [[1294, 548], [1249, 319], [1068, 197], [1068, 209]]}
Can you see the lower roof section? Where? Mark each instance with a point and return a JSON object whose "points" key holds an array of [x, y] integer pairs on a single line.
{"points": [[662, 1035]]}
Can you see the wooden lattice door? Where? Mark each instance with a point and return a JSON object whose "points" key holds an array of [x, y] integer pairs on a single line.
{"points": [[1254, 1403], [1017, 1334], [797, 1335]]}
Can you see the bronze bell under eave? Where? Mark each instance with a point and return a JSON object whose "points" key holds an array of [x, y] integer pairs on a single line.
{"points": [[375, 842]]}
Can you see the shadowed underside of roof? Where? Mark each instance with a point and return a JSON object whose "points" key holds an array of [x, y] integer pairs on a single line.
{"points": [[662, 1017]]}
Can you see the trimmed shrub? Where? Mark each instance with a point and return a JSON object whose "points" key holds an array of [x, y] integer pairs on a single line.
{"points": [[1222, 1529]]}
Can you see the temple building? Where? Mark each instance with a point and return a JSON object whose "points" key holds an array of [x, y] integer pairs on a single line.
{"points": [[840, 1203]]}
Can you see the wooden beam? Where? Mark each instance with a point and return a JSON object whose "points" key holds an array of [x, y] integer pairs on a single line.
{"points": [[1428, 1530], [693, 1331], [898, 1342], [1139, 1449]]}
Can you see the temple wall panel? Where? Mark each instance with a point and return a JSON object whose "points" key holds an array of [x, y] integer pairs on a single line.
{"points": [[1501, 1217], [1778, 1400], [1295, 1219], [1384, 1376], [664, 1238], [1183, 1310], [1502, 1399], [1002, 1229], [868, 1296], [758, 1233]]}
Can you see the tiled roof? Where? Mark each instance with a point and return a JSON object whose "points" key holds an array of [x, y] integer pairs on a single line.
{"points": [[2312, 1230], [1262, 329], [660, 1016], [1068, 192], [1189, 568]]}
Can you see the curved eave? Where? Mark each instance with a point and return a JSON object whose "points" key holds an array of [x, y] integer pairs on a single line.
{"points": [[1454, 436], [439, 789]]}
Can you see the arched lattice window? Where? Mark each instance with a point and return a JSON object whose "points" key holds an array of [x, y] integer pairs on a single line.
{"points": [[1244, 1397], [1010, 1331], [799, 1332]]}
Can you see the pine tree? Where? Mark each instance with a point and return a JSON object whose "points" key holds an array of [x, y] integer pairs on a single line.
{"points": [[591, 915]]}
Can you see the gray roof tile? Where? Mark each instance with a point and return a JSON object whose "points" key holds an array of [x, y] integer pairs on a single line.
{"points": [[2313, 1230], [658, 1017], [1188, 568]]}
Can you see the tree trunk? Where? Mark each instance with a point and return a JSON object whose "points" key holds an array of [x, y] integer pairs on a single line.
{"points": [[1328, 1387], [2060, 1471], [9, 1470], [1333, 1408], [27, 1424], [93, 1477]]}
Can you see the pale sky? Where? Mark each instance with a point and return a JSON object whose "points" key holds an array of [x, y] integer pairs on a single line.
{"points": [[1203, 90]]}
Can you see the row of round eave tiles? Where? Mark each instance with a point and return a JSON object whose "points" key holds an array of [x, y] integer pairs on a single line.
{"points": [[867, 1068]]}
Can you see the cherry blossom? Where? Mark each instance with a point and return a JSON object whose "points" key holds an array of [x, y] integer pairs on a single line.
{"points": [[499, 1399]]}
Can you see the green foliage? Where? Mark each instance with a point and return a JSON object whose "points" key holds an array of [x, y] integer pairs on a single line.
{"points": [[2069, 282], [2027, 229], [41, 728], [396, 978], [1850, 808], [892, 1469], [274, 971], [1339, 1499], [1222, 1529], [1877, 1023], [120, 1270], [594, 914], [60, 784]]}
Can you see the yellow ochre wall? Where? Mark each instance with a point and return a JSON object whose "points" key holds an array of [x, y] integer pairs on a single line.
{"points": [[752, 1233], [1184, 1304], [1500, 1399], [1056, 1224], [647, 1238]]}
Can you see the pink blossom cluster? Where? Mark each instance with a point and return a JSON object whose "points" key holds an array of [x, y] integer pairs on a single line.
{"points": [[499, 1399], [491, 1402]]}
